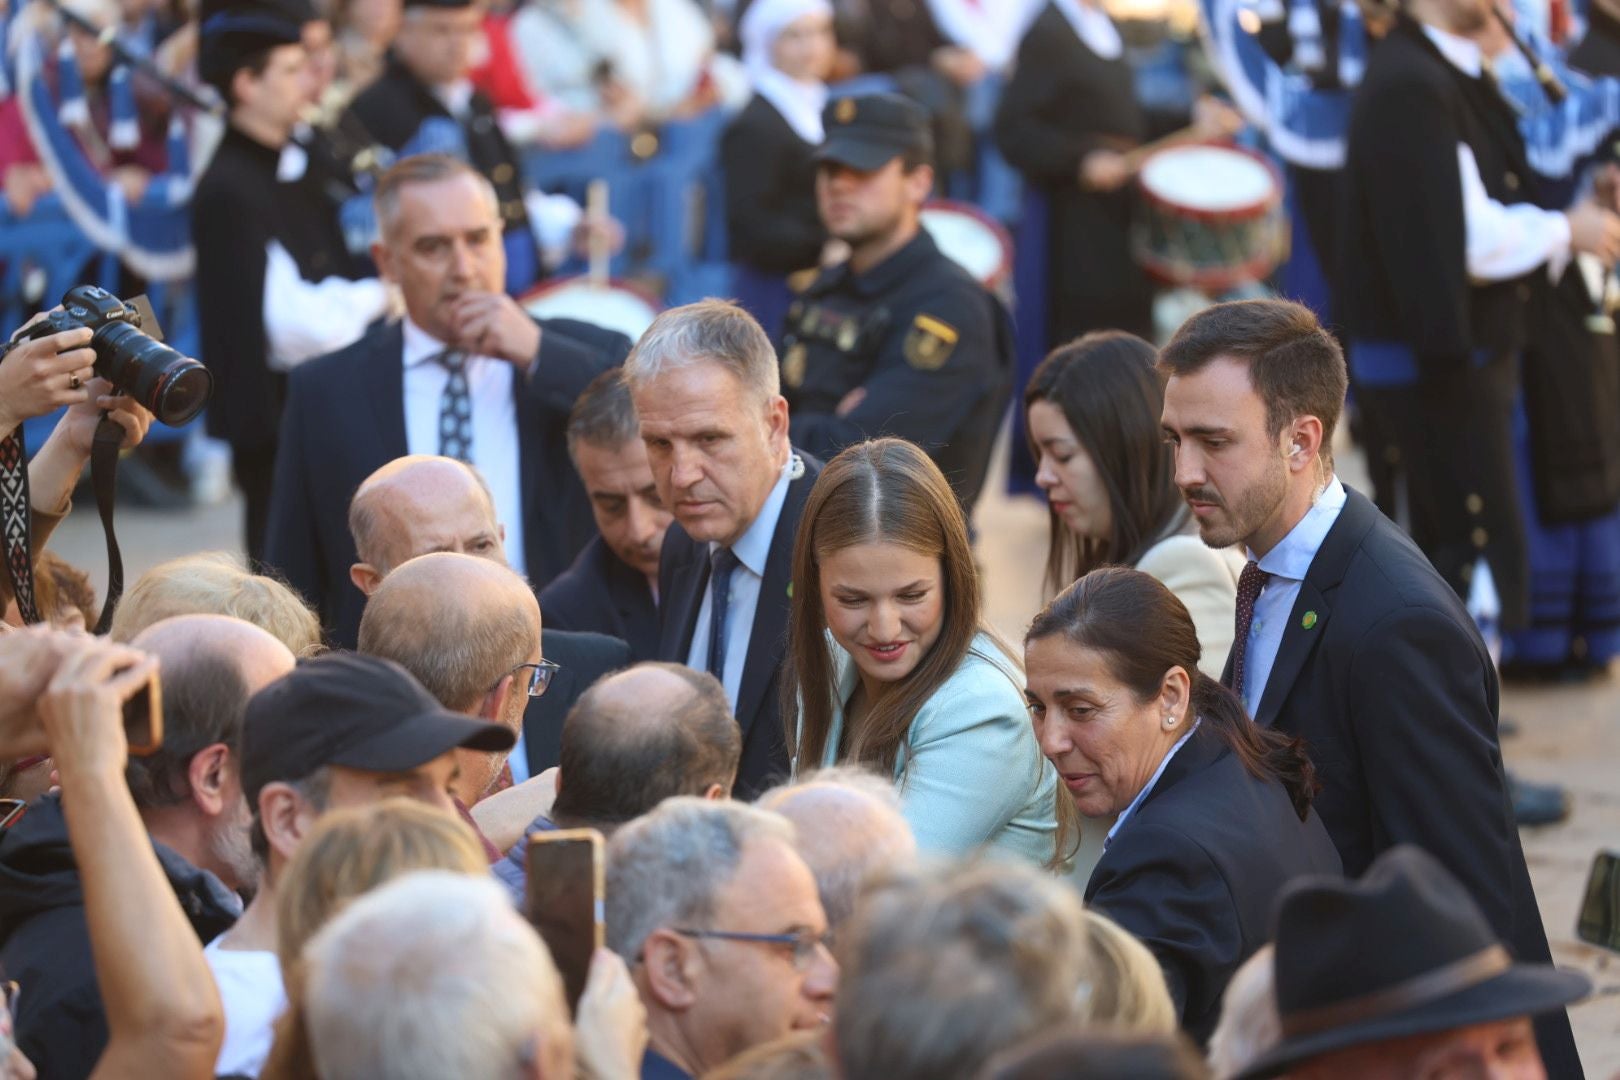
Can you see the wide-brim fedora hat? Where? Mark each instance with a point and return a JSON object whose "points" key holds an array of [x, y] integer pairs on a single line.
{"points": [[1403, 951]]}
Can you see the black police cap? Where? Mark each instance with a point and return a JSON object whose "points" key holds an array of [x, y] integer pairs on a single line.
{"points": [[869, 131]]}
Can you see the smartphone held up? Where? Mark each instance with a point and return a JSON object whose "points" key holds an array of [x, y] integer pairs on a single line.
{"points": [[566, 902]]}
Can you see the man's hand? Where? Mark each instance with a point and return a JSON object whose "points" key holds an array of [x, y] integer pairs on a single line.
{"points": [[961, 66], [1104, 170], [1594, 230], [610, 1031], [590, 230], [492, 324], [1215, 119], [38, 376], [29, 659], [83, 707]]}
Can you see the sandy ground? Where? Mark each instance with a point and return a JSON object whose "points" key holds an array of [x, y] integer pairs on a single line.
{"points": [[1571, 735]]}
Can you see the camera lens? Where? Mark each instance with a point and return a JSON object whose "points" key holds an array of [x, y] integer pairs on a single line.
{"points": [[174, 387]]}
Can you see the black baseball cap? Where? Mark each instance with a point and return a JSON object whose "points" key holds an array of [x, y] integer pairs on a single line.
{"points": [[361, 712], [869, 131]]}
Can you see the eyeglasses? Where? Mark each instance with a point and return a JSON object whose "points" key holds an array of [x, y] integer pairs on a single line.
{"points": [[540, 676], [804, 943]]}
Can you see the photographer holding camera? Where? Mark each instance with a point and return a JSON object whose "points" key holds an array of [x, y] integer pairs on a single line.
{"points": [[38, 376], [65, 693]]}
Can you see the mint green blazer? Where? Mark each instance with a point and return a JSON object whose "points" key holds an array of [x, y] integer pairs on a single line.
{"points": [[970, 773]]}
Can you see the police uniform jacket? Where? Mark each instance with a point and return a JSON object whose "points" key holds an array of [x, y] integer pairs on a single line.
{"points": [[930, 347], [1434, 356]]}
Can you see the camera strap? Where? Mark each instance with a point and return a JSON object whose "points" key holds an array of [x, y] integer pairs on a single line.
{"points": [[104, 452], [16, 518]]}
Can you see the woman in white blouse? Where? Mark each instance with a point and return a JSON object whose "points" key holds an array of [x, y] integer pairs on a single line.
{"points": [[1092, 410]]}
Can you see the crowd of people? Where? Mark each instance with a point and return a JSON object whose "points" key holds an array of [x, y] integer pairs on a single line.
{"points": [[710, 592]]}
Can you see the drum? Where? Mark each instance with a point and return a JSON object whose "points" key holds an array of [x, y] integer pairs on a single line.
{"points": [[613, 304], [1212, 217], [974, 240]]}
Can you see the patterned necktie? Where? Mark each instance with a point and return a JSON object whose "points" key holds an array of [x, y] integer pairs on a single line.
{"points": [[1250, 582], [723, 562], [455, 408]]}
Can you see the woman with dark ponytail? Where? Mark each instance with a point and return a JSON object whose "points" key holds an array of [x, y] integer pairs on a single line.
{"points": [[1214, 812]]}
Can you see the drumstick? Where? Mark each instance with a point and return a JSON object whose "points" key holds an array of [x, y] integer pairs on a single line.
{"points": [[596, 213]]}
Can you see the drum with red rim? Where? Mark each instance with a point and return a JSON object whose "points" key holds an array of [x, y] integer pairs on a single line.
{"points": [[614, 305], [1211, 217], [972, 239]]}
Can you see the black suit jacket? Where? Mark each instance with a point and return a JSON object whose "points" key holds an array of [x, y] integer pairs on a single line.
{"points": [[1396, 697], [1196, 871], [583, 658], [345, 418], [683, 576], [603, 594]]}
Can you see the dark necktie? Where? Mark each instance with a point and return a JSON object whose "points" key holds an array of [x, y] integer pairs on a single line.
{"points": [[1250, 582], [455, 409], [723, 562]]}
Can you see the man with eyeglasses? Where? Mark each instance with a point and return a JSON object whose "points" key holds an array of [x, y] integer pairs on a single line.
{"points": [[422, 504], [469, 630], [720, 921]]}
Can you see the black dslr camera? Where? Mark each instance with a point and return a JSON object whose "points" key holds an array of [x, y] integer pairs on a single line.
{"points": [[175, 388]]}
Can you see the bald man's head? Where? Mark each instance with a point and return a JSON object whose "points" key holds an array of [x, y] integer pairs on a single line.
{"points": [[848, 825], [416, 505], [190, 790], [179, 641], [462, 625], [641, 736]]}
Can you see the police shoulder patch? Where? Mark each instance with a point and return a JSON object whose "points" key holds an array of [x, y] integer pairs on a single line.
{"points": [[793, 365], [929, 343]]}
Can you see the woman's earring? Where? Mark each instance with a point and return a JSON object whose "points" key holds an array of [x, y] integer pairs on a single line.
{"points": [[1169, 721]]}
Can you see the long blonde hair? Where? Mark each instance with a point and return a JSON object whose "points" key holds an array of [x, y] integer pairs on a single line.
{"points": [[351, 852]]}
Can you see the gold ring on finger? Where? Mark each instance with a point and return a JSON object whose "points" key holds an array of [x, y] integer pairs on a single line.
{"points": [[74, 382]]}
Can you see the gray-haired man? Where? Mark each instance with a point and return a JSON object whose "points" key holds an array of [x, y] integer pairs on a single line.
{"points": [[707, 389], [719, 919]]}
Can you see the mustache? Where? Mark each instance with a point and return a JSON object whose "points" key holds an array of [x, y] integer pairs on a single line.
{"points": [[1203, 495]]}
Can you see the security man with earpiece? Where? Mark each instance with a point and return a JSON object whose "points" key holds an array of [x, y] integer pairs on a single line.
{"points": [[898, 339]]}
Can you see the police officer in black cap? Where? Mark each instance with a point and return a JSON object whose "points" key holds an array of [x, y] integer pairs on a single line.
{"points": [[898, 339]]}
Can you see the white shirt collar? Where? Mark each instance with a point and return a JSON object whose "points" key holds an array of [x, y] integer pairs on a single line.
{"points": [[754, 548], [1292, 556], [1463, 54], [1125, 815]]}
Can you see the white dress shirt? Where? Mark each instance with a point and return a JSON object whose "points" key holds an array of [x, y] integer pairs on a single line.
{"points": [[1287, 563], [1504, 242], [752, 552], [1126, 814], [305, 319], [495, 445]]}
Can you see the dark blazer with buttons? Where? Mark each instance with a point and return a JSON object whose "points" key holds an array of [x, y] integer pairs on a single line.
{"points": [[1396, 697], [582, 658], [604, 594], [345, 418], [683, 577], [1196, 871]]}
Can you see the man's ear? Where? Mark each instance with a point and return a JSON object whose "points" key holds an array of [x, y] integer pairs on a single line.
{"points": [[670, 965], [920, 183], [366, 577], [717, 793], [493, 707], [208, 773], [286, 818], [1304, 443]]}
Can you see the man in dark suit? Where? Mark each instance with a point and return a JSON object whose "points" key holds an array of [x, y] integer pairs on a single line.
{"points": [[420, 505], [1347, 637], [611, 586], [467, 373], [706, 387]]}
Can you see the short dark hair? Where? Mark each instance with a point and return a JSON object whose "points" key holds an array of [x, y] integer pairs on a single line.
{"points": [[616, 766], [604, 415], [1296, 367], [204, 699], [220, 71]]}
